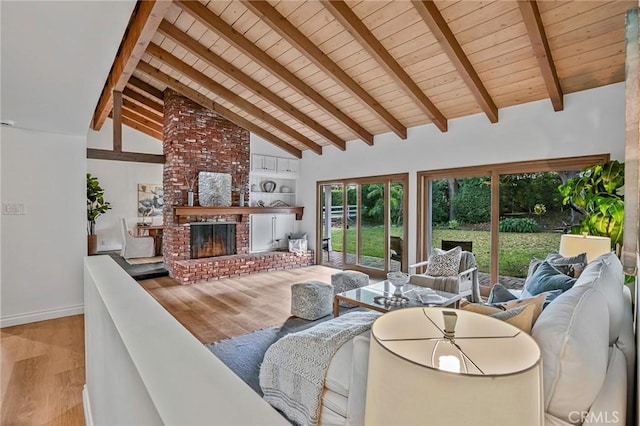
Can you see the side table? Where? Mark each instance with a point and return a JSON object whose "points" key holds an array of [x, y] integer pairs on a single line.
{"points": [[154, 231]]}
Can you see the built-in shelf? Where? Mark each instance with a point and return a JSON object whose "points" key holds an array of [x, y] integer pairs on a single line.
{"points": [[212, 211]]}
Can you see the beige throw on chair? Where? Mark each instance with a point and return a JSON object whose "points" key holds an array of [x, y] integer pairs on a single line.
{"points": [[135, 246], [464, 283]]}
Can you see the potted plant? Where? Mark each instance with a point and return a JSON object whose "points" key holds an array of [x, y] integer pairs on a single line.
{"points": [[597, 193], [96, 205]]}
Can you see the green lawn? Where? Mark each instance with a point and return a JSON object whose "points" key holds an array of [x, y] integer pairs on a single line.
{"points": [[516, 250]]}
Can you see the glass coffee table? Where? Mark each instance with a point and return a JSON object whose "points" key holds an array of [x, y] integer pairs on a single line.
{"points": [[373, 297]]}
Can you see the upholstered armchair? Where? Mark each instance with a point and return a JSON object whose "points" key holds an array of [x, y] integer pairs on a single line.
{"points": [[464, 282], [133, 247]]}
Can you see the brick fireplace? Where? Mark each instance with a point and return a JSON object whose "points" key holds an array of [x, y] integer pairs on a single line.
{"points": [[197, 139]]}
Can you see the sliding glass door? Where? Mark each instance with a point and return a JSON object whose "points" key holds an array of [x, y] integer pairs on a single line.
{"points": [[362, 219], [506, 213]]}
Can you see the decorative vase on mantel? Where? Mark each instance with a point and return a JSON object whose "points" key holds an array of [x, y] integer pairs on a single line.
{"points": [[190, 197]]}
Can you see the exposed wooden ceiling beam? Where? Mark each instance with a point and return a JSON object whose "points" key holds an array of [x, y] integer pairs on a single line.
{"points": [[221, 91], [143, 101], [143, 24], [144, 112], [141, 86], [141, 128], [438, 26], [296, 38], [134, 121], [247, 47], [136, 157], [143, 121], [246, 81], [204, 101], [535, 28], [350, 21]]}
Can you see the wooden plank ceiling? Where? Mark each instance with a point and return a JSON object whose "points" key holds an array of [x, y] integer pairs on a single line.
{"points": [[308, 74]]}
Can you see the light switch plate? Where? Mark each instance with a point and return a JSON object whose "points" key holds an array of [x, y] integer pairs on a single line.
{"points": [[14, 208]]}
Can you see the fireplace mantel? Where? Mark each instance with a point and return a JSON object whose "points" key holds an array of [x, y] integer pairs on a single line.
{"points": [[213, 211]]}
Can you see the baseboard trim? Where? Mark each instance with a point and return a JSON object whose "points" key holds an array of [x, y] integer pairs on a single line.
{"points": [[18, 319], [86, 406]]}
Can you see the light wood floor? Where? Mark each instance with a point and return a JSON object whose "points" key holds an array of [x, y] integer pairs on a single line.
{"points": [[42, 364], [42, 372], [229, 307]]}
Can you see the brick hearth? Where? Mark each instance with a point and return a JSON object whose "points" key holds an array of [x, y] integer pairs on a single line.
{"points": [[197, 139]]}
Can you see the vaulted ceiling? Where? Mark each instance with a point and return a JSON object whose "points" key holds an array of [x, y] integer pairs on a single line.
{"points": [[308, 74]]}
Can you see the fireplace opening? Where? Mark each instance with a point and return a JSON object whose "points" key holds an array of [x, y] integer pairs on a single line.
{"points": [[212, 239]]}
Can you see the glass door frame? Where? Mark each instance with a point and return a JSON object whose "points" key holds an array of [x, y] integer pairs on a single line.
{"points": [[424, 233], [387, 180]]}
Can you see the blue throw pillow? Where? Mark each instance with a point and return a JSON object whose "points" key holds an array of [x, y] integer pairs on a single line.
{"points": [[548, 278], [551, 296], [499, 294]]}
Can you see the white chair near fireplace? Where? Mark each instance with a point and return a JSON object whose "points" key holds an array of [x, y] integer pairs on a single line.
{"points": [[132, 246]]}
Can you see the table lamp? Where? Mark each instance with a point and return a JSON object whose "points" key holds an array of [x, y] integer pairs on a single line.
{"points": [[452, 367], [574, 244]]}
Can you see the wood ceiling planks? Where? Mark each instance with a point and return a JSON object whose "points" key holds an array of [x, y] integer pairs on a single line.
{"points": [[310, 74]]}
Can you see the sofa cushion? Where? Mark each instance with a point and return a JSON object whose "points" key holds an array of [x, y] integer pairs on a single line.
{"points": [[611, 405], [339, 372], [605, 274], [445, 264], [335, 402], [547, 278], [573, 335]]}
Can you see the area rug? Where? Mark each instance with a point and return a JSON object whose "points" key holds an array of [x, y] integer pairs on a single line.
{"points": [[145, 260], [243, 354]]}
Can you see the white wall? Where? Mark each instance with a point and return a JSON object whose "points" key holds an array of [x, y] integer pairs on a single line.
{"points": [[120, 180], [592, 123], [42, 250]]}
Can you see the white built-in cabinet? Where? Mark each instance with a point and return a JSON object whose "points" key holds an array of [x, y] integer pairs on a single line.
{"points": [[270, 231], [287, 166], [264, 163]]}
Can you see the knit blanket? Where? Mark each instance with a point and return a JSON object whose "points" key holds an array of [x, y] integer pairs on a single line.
{"points": [[293, 371]]}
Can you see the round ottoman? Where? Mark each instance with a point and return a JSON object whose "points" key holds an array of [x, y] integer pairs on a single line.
{"points": [[348, 280], [311, 300]]}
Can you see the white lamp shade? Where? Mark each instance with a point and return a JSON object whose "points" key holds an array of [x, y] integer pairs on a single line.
{"points": [[404, 388], [573, 244]]}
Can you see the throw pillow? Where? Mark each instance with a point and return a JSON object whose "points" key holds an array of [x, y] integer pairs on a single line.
{"points": [[551, 296], [571, 266], [521, 317], [558, 259], [537, 301], [479, 308], [445, 264], [499, 294], [547, 278]]}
